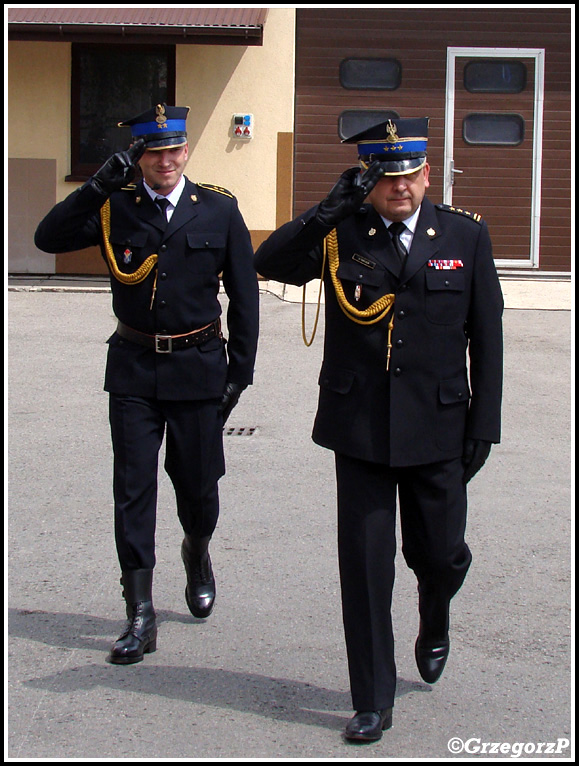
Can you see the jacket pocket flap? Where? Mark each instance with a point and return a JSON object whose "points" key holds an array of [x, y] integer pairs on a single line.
{"points": [[211, 345], [339, 381], [129, 238], [445, 279], [454, 391], [362, 275], [210, 240]]}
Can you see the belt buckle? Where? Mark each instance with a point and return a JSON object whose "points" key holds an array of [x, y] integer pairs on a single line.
{"points": [[163, 338]]}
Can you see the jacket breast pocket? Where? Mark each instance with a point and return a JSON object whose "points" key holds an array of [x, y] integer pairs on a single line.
{"points": [[361, 284], [205, 251], [361, 275], [128, 247], [444, 299]]}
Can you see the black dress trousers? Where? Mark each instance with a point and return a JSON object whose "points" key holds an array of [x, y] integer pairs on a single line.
{"points": [[194, 461], [433, 516]]}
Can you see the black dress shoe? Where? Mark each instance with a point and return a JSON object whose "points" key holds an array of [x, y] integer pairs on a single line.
{"points": [[367, 726], [200, 590], [431, 657]]}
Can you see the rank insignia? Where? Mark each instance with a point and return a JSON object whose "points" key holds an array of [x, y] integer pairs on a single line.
{"points": [[127, 255], [218, 189], [445, 264], [449, 208]]}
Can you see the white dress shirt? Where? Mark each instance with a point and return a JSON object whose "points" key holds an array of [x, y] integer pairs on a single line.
{"points": [[408, 235], [173, 197]]}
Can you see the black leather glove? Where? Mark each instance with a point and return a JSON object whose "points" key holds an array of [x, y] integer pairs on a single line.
{"points": [[230, 398], [348, 194], [474, 456], [119, 170]]}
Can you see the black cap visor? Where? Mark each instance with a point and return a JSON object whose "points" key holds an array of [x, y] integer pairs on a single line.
{"points": [[398, 167], [168, 141]]}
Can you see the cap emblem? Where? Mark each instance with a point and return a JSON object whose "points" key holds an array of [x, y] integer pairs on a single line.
{"points": [[160, 119], [392, 134]]}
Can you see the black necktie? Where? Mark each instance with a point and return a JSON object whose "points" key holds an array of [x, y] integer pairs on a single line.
{"points": [[163, 203], [396, 230]]}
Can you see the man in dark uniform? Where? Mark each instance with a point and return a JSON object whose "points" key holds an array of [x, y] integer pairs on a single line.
{"points": [[165, 240], [411, 289]]}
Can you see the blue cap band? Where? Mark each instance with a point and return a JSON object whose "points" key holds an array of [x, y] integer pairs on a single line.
{"points": [[144, 128], [392, 149]]}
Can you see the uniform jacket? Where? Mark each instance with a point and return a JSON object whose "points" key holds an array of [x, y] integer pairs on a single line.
{"points": [[420, 409], [205, 237]]}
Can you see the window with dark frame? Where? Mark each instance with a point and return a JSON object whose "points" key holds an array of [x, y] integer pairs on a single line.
{"points": [[370, 74], [493, 129], [112, 83], [495, 76], [353, 121]]}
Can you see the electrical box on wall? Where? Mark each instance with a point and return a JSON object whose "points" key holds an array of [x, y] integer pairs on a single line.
{"points": [[242, 126]]}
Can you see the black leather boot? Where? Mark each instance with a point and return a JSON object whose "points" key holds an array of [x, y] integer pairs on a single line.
{"points": [[200, 590], [140, 634]]}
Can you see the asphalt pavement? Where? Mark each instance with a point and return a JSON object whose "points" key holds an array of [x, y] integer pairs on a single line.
{"points": [[265, 676]]}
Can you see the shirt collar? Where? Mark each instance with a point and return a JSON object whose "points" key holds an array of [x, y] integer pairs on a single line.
{"points": [[173, 196], [410, 223]]}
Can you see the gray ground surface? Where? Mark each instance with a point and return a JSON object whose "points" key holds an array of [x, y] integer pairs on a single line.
{"points": [[265, 676]]}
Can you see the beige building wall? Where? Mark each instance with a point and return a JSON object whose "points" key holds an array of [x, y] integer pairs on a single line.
{"points": [[39, 104], [38, 120], [216, 81]]}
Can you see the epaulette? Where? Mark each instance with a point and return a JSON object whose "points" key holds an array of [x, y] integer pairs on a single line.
{"points": [[218, 189], [451, 209]]}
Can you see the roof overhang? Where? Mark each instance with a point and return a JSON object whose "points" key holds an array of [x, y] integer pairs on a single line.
{"points": [[177, 25]]}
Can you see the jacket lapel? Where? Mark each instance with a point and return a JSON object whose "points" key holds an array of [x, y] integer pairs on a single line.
{"points": [[378, 241]]}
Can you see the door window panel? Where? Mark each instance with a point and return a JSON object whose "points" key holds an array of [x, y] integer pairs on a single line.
{"points": [[495, 76], [498, 129]]}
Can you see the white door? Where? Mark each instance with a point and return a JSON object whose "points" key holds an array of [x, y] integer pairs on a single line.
{"points": [[493, 145]]}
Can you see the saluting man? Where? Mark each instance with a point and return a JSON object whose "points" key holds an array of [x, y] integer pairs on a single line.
{"points": [[165, 240], [411, 291]]}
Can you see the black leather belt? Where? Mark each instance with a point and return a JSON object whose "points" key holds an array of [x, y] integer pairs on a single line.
{"points": [[166, 344]]}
